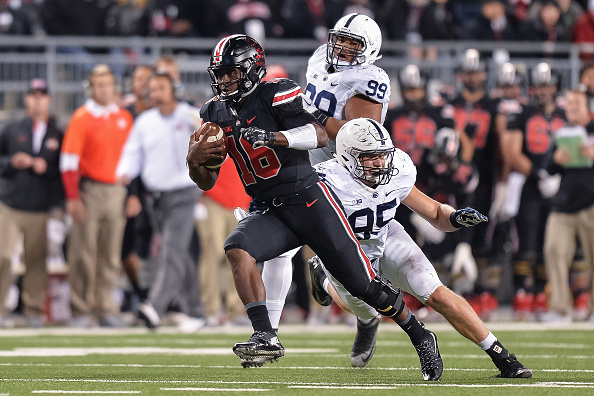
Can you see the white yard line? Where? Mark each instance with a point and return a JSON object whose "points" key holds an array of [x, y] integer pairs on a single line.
{"points": [[216, 389], [399, 386], [80, 391]]}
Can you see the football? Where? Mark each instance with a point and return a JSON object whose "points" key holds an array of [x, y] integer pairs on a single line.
{"points": [[213, 133]]}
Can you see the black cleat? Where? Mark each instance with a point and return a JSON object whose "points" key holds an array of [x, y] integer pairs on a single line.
{"points": [[431, 363], [507, 362], [262, 347], [148, 315], [318, 276], [364, 345]]}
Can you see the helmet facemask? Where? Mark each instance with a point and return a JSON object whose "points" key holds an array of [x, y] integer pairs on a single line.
{"points": [[366, 137], [342, 56], [374, 175]]}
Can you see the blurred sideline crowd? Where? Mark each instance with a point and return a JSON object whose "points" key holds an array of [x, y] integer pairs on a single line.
{"points": [[410, 20], [106, 205]]}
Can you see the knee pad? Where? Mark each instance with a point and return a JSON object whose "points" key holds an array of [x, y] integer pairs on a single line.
{"points": [[384, 297]]}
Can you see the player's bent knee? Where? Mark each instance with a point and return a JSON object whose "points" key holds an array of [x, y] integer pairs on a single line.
{"points": [[384, 297], [443, 299]]}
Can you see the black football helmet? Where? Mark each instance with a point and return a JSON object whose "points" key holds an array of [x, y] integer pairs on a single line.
{"points": [[472, 71], [543, 84], [241, 52], [410, 78]]}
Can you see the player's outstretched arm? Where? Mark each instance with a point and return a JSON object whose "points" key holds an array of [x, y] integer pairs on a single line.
{"points": [[442, 216], [306, 137]]}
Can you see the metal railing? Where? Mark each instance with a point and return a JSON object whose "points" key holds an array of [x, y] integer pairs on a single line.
{"points": [[66, 61]]}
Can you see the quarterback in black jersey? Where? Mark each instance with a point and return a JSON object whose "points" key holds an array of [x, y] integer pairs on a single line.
{"points": [[530, 145], [268, 136]]}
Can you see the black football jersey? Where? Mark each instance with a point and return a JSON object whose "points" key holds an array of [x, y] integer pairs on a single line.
{"points": [[478, 121], [414, 132], [266, 172], [537, 129]]}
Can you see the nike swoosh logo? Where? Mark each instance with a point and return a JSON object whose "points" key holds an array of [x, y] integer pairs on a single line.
{"points": [[311, 203], [251, 119], [388, 193], [333, 84]]}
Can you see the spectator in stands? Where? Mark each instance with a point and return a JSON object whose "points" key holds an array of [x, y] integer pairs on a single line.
{"points": [[92, 147], [128, 18], [304, 19], [13, 20], [74, 17], [215, 222], [571, 11], [494, 24], [520, 8], [546, 25], [573, 211], [154, 151], [29, 163], [583, 33], [251, 17]]}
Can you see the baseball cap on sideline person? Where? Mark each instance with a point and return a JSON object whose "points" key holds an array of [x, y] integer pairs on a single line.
{"points": [[37, 85]]}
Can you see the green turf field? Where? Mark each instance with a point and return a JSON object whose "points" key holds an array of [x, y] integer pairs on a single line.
{"points": [[64, 361]]}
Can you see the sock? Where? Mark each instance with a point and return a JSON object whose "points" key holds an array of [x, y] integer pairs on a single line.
{"points": [[275, 309], [413, 328], [258, 315], [364, 321], [487, 342]]}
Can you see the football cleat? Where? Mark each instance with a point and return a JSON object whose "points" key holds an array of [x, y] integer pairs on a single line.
{"points": [[318, 276], [262, 347], [148, 315], [364, 345], [428, 351], [507, 363]]}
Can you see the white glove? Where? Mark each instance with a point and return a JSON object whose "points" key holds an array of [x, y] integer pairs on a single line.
{"points": [[240, 214], [430, 233], [498, 201], [548, 185], [464, 262]]}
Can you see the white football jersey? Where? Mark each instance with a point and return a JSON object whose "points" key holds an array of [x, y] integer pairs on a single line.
{"points": [[370, 209], [330, 92]]}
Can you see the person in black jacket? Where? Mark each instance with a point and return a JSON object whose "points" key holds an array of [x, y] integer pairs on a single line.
{"points": [[29, 165]]}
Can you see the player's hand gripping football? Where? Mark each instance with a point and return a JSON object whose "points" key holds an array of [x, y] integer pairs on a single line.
{"points": [[467, 217], [258, 137], [201, 150]]}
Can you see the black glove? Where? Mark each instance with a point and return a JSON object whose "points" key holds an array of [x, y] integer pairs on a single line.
{"points": [[321, 116], [467, 217], [258, 137]]}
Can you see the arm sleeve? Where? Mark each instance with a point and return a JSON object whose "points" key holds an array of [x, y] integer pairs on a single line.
{"points": [[132, 159], [72, 149]]}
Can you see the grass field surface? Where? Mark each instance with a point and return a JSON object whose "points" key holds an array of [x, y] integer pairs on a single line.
{"points": [[316, 362]]}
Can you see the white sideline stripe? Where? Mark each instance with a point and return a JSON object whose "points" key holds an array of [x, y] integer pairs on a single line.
{"points": [[79, 391], [193, 366], [216, 389], [535, 385], [26, 352], [557, 384]]}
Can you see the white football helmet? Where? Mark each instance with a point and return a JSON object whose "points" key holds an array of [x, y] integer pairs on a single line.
{"points": [[365, 136], [359, 27]]}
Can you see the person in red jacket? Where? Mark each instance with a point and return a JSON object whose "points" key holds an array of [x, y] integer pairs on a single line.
{"points": [[583, 33]]}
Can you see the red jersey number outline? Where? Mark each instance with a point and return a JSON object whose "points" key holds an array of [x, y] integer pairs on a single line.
{"points": [[539, 133], [263, 161], [479, 118]]}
